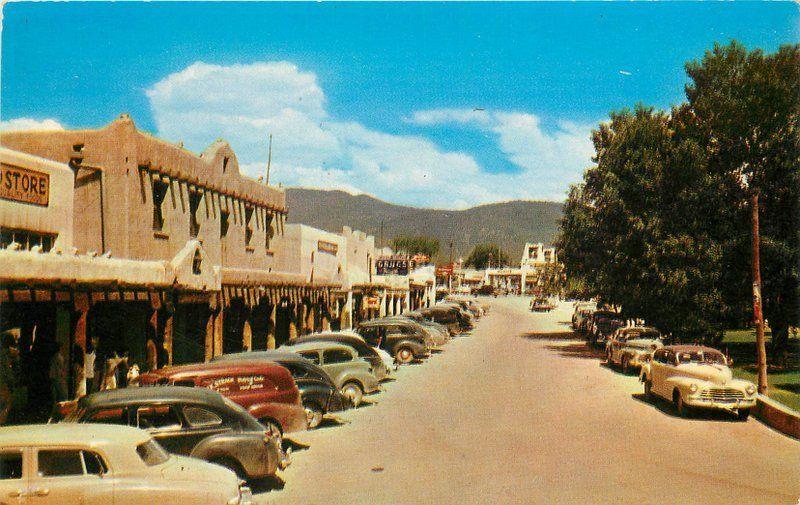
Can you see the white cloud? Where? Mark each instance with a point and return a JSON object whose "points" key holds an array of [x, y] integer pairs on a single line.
{"points": [[26, 124], [548, 160], [244, 103]]}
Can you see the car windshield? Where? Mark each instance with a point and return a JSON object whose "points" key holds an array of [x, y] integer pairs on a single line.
{"points": [[152, 453], [712, 358]]}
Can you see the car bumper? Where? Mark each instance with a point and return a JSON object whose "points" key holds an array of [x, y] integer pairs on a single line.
{"points": [[703, 403]]}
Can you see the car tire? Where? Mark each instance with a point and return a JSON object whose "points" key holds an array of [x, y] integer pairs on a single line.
{"points": [[743, 414], [681, 408], [404, 355], [314, 414], [626, 367], [354, 392]]}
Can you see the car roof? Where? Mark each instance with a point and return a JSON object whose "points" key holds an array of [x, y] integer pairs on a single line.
{"points": [[214, 367], [318, 345], [268, 355], [691, 348], [640, 329], [125, 396], [605, 312], [69, 434]]}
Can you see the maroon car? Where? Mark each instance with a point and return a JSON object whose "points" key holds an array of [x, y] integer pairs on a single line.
{"points": [[266, 390]]}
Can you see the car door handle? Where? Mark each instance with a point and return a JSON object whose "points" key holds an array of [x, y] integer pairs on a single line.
{"points": [[42, 491], [17, 493]]}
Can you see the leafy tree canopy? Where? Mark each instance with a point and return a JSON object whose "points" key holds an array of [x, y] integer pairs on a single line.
{"points": [[416, 245], [485, 255]]}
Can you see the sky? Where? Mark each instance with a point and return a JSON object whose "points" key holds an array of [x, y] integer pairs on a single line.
{"points": [[424, 104]]}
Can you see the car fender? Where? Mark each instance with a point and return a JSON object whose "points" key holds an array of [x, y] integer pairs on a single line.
{"points": [[644, 373], [256, 457], [290, 416], [681, 384], [416, 347]]}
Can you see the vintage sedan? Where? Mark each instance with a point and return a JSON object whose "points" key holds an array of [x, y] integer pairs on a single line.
{"points": [[193, 422], [697, 377], [267, 390], [319, 394], [357, 342], [439, 332], [541, 305], [632, 347], [351, 374], [603, 324], [403, 339], [105, 465], [582, 312]]}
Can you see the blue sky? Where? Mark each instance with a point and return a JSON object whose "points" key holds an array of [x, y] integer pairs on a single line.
{"points": [[444, 105]]}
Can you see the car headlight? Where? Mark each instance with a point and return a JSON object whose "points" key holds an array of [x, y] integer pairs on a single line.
{"points": [[693, 388], [751, 389]]}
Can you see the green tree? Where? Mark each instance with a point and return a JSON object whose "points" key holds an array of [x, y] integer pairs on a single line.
{"points": [[745, 106], [483, 255], [416, 245]]}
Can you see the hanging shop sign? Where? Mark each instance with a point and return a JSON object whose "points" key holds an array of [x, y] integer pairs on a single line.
{"points": [[23, 185], [327, 247], [394, 265]]}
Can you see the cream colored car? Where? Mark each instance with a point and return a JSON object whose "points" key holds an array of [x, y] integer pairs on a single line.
{"points": [[57, 464], [693, 376]]}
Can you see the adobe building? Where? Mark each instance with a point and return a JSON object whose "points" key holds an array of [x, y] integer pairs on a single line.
{"points": [[160, 244]]}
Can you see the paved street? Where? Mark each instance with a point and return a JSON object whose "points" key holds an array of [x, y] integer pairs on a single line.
{"points": [[508, 415]]}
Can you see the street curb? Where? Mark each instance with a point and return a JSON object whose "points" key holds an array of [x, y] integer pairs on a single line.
{"points": [[778, 416]]}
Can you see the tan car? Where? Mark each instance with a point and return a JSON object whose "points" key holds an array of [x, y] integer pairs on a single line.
{"points": [[57, 464], [697, 377], [630, 348]]}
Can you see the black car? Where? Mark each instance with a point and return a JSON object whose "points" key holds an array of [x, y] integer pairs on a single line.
{"points": [[451, 316], [195, 422], [602, 325], [403, 340], [317, 391]]}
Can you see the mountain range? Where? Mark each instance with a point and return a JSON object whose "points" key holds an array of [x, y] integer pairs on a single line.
{"points": [[507, 224]]}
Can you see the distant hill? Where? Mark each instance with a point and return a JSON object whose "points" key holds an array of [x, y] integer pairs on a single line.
{"points": [[508, 224]]}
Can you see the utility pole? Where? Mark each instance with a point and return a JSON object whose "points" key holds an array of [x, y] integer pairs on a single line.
{"points": [[380, 240], [269, 158], [450, 274], [758, 315]]}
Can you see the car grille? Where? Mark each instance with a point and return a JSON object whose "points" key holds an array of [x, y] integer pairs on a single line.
{"points": [[722, 394]]}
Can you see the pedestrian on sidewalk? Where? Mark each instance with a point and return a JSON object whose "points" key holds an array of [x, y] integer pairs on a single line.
{"points": [[58, 375]]}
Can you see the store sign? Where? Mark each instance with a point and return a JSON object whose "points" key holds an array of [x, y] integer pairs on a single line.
{"points": [[444, 271], [327, 247], [22, 185], [394, 265]]}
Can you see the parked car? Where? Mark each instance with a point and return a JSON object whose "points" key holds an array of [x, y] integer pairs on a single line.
{"points": [[196, 422], [541, 305], [603, 324], [449, 316], [357, 342], [266, 390], [318, 392], [468, 305], [582, 312], [485, 290], [438, 335], [693, 376], [105, 465], [351, 374], [632, 347], [403, 340], [440, 332], [464, 313]]}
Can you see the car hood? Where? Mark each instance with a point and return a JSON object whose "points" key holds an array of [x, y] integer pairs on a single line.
{"points": [[644, 344], [197, 470], [716, 374]]}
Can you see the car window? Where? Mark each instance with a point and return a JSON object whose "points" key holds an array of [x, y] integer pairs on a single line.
{"points": [[200, 417], [109, 416], [152, 453], [59, 463], [336, 356], [94, 463], [10, 465], [313, 356], [157, 416]]}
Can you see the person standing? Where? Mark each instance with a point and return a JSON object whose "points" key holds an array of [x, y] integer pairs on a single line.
{"points": [[89, 364], [78, 373], [58, 375]]}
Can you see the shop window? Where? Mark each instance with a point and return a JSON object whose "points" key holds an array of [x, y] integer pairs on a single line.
{"points": [[224, 223], [159, 193], [248, 221], [26, 239], [194, 204]]}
